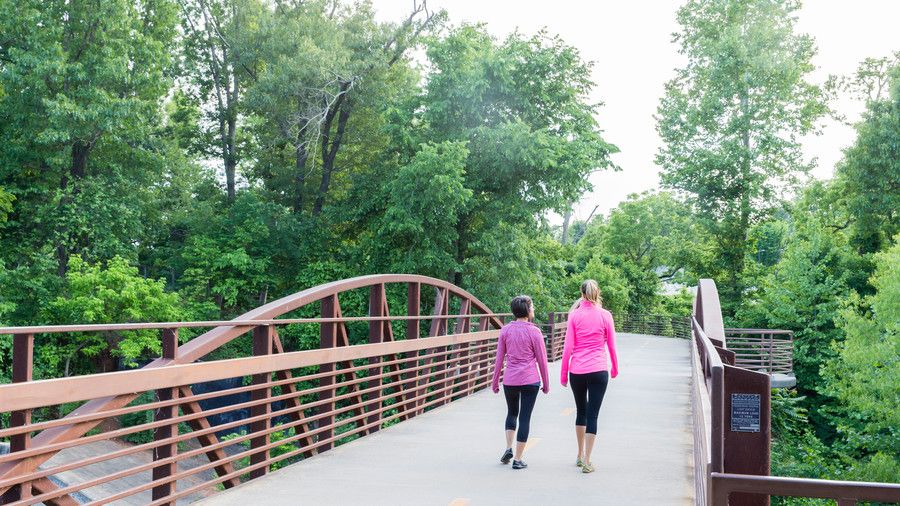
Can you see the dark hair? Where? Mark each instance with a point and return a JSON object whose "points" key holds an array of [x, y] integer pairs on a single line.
{"points": [[520, 305]]}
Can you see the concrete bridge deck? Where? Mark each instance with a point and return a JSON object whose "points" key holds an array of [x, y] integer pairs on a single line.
{"points": [[450, 455]]}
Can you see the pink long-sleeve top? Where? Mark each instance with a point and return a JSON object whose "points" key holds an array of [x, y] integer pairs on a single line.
{"points": [[590, 330], [522, 344]]}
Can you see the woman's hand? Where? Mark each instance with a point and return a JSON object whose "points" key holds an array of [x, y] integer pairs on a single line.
{"points": [[546, 389], [496, 389], [614, 371], [563, 383]]}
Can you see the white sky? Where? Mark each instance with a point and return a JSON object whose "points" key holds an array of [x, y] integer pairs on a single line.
{"points": [[630, 42]]}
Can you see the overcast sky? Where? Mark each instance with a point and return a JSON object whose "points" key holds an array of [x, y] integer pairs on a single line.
{"points": [[630, 41]]}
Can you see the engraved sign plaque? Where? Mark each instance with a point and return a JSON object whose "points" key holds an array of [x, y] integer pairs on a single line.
{"points": [[744, 412]]}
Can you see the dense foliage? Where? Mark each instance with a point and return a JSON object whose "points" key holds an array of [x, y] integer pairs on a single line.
{"points": [[194, 159]]}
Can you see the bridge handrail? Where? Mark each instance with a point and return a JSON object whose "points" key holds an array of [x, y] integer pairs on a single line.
{"points": [[846, 492], [453, 362], [102, 327], [638, 323], [41, 393], [712, 484], [712, 370], [461, 366]]}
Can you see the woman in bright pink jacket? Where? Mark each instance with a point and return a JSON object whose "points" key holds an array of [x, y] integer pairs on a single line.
{"points": [[589, 334]]}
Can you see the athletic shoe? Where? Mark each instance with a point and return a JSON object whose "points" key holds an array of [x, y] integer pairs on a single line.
{"points": [[507, 456], [587, 468], [519, 464]]}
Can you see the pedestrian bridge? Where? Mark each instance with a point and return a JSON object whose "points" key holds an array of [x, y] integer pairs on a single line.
{"points": [[450, 455], [393, 409]]}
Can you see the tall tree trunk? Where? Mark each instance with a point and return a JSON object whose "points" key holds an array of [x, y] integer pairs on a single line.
{"points": [[230, 149], [230, 158], [461, 243], [565, 230], [739, 245], [329, 151], [302, 155], [300, 178], [80, 152], [77, 171]]}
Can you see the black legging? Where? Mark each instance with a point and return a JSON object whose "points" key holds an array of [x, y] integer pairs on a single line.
{"points": [[527, 394], [588, 389]]}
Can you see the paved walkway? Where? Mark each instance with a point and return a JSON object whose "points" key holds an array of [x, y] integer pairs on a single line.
{"points": [[449, 456]]}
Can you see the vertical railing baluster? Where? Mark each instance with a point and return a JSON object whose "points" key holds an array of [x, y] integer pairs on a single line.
{"points": [[262, 345], [551, 318], [169, 351], [22, 372], [413, 331], [463, 326], [327, 339], [376, 335]]}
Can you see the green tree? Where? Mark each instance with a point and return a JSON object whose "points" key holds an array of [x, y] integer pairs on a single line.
{"points": [[803, 293], [863, 373], [649, 238], [521, 107], [114, 293], [328, 71], [425, 199], [870, 170], [732, 118], [82, 88], [217, 67]]}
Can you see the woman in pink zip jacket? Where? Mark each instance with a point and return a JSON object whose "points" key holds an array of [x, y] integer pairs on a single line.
{"points": [[589, 334], [522, 345]]}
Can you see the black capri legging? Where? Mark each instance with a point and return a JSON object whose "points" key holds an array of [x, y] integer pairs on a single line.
{"points": [[519, 405], [588, 389]]}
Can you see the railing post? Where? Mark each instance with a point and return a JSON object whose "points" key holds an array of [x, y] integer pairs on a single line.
{"points": [[169, 350], [413, 331], [746, 428], [551, 349], [22, 372], [463, 326], [327, 339], [376, 335], [262, 345]]}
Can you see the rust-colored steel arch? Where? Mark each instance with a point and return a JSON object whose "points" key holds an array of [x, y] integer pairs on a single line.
{"points": [[208, 342], [204, 344]]}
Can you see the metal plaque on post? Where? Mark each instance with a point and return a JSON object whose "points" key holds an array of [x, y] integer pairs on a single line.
{"points": [[745, 412]]}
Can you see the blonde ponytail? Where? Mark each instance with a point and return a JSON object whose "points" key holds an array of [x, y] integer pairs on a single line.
{"points": [[590, 291]]}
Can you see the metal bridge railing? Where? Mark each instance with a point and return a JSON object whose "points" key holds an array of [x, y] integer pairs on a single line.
{"points": [[769, 351], [731, 411], [297, 403], [658, 325]]}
